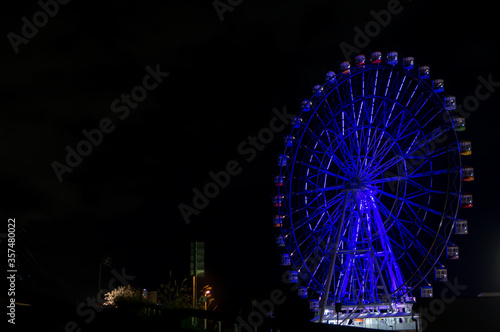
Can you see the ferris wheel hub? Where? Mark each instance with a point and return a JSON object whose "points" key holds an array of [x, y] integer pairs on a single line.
{"points": [[354, 184]]}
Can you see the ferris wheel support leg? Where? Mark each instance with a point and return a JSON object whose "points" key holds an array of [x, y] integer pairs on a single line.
{"points": [[324, 299], [372, 253]]}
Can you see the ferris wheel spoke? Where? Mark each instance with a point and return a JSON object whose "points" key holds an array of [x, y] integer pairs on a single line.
{"points": [[432, 114], [323, 171], [404, 139], [411, 96], [424, 146], [341, 102], [408, 130], [327, 149], [341, 142], [328, 227], [296, 227], [399, 245], [412, 265], [405, 177], [304, 208], [372, 136], [396, 98], [419, 107], [424, 227], [418, 245], [352, 100], [315, 154], [404, 200], [383, 152], [426, 189], [304, 244], [371, 149], [325, 207], [406, 90], [307, 205], [426, 138], [382, 168], [429, 156], [318, 190], [325, 234], [402, 232], [388, 214], [417, 161], [406, 127], [318, 210]]}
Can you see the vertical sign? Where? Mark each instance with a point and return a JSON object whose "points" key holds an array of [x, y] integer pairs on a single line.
{"points": [[197, 259]]}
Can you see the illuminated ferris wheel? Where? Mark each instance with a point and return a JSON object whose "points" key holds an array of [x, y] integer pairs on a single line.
{"points": [[369, 189]]}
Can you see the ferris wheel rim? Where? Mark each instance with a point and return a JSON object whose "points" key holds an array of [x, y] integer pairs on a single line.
{"points": [[447, 151]]}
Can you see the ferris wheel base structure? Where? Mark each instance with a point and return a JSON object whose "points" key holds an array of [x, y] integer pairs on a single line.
{"points": [[369, 188], [377, 316]]}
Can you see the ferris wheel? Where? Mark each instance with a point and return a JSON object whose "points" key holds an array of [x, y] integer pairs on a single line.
{"points": [[370, 185]]}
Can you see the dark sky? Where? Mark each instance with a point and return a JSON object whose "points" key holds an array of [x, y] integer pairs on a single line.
{"points": [[225, 78]]}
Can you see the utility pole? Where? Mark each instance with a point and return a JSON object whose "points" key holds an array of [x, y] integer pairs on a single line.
{"points": [[197, 268], [99, 285], [102, 261]]}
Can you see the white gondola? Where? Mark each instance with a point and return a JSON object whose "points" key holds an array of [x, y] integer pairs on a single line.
{"points": [[317, 90], [282, 160], [359, 60], [344, 67], [424, 72], [277, 221], [465, 148], [441, 274], [452, 252], [297, 122], [392, 58], [314, 305], [461, 227], [438, 85], [288, 140], [408, 62], [450, 103], [376, 57], [302, 292], [467, 173], [426, 292], [458, 123], [279, 180], [285, 260], [278, 200], [466, 200], [292, 276], [329, 76], [306, 105]]}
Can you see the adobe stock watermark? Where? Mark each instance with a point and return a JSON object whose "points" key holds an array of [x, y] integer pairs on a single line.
{"points": [[248, 149], [483, 90], [362, 38], [29, 29], [221, 7], [120, 106], [437, 306], [88, 309]]}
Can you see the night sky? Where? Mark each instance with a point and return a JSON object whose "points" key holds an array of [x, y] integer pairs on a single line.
{"points": [[217, 83]]}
